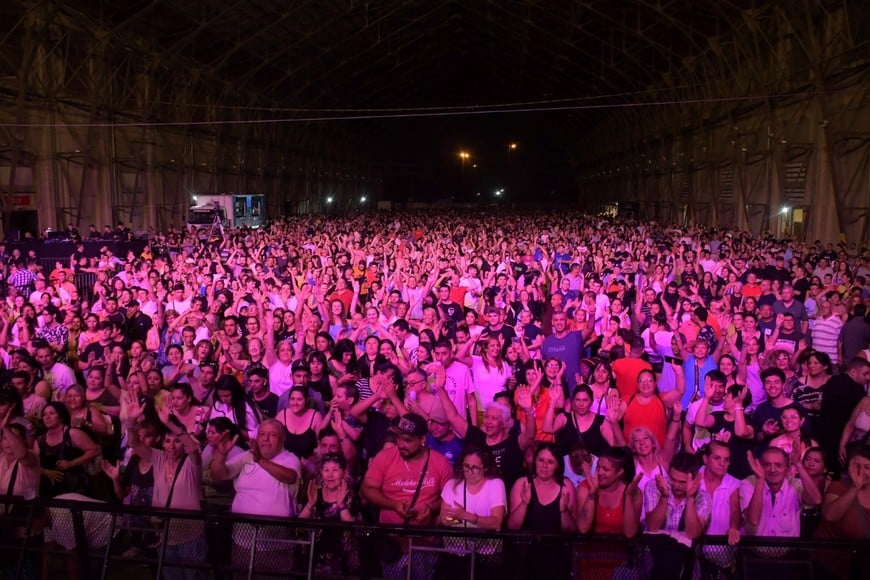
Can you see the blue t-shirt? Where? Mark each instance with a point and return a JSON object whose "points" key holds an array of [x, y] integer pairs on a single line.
{"points": [[451, 449], [568, 349], [705, 367]]}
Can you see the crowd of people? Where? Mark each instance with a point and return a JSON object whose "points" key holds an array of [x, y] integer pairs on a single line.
{"points": [[541, 372]]}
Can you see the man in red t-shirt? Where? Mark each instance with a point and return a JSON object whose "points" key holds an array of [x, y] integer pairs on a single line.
{"points": [[627, 369], [391, 483]]}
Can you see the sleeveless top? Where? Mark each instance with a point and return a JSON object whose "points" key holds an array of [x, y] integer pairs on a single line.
{"points": [[607, 520], [75, 478], [652, 415], [301, 444], [540, 517], [568, 435]]}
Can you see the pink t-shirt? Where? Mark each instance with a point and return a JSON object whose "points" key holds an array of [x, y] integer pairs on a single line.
{"points": [[397, 478], [184, 497]]}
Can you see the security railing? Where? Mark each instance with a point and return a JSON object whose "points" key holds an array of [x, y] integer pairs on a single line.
{"points": [[112, 541]]}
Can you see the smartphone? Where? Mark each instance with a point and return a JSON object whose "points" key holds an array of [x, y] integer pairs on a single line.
{"points": [[674, 360]]}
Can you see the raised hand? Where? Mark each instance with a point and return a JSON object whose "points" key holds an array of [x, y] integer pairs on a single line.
{"points": [[693, 485], [255, 451], [163, 413], [112, 470], [591, 477], [723, 436], [312, 492], [524, 398], [634, 487], [770, 427], [344, 492], [526, 492], [795, 454], [754, 465], [662, 485], [226, 443], [612, 414]]}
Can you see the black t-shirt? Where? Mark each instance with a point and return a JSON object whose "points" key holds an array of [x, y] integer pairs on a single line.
{"points": [[789, 340], [507, 333], [138, 327], [507, 454], [98, 350], [451, 311], [800, 288], [766, 299], [268, 406], [840, 396], [739, 465], [374, 434]]}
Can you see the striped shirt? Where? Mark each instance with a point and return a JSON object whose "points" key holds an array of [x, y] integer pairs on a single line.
{"points": [[826, 332]]}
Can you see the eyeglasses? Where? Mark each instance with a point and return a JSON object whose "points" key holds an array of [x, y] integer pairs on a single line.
{"points": [[472, 468], [417, 382]]}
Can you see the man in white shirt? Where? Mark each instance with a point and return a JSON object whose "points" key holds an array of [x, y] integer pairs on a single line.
{"points": [[459, 384], [177, 300], [771, 501], [724, 492], [265, 480], [473, 286], [695, 434], [58, 376]]}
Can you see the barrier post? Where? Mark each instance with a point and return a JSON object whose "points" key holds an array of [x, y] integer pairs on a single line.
{"points": [[164, 537], [105, 567], [81, 541], [253, 556], [312, 538]]}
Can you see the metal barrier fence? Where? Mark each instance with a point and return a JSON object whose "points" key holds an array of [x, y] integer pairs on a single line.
{"points": [[111, 541]]}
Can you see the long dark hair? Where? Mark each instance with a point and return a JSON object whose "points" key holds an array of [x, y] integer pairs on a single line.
{"points": [[346, 345], [238, 401]]}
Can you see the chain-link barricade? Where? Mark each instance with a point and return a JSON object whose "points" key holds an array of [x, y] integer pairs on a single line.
{"points": [[97, 537], [20, 528]]}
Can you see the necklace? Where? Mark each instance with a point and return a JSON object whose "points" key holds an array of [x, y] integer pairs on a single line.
{"points": [[170, 471]]}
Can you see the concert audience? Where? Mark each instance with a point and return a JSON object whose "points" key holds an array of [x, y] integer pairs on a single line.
{"points": [[416, 368]]}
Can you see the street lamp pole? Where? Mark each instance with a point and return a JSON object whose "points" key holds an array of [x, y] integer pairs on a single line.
{"points": [[463, 157]]}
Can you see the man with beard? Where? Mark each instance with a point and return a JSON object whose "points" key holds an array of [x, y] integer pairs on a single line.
{"points": [[405, 482]]}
